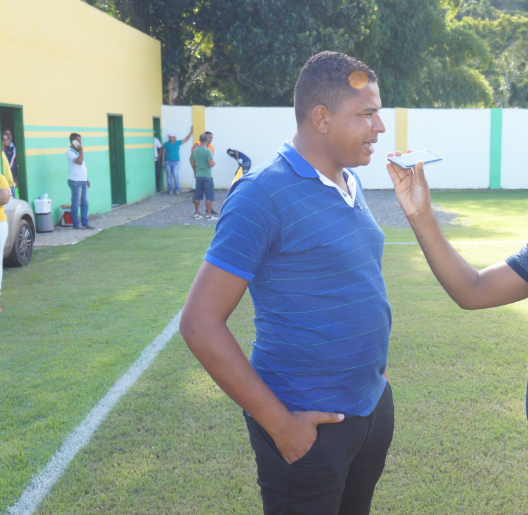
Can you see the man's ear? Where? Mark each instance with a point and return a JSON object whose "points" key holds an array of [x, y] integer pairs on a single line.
{"points": [[321, 118]]}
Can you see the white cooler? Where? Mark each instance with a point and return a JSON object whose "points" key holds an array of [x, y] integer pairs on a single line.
{"points": [[43, 214]]}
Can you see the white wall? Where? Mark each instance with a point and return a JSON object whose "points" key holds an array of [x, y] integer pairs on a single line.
{"points": [[514, 168], [460, 136], [258, 132]]}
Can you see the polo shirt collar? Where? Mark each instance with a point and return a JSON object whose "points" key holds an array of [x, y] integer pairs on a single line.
{"points": [[297, 162]]}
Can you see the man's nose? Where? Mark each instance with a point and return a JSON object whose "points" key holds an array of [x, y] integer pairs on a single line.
{"points": [[379, 126]]}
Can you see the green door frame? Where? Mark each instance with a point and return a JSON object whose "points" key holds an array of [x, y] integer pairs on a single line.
{"points": [[116, 145], [18, 118], [156, 123]]}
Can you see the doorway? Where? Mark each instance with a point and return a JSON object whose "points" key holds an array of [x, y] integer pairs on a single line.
{"points": [[11, 118], [116, 142], [157, 127]]}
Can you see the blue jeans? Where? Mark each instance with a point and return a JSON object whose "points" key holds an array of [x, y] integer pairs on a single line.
{"points": [[79, 191], [172, 174]]}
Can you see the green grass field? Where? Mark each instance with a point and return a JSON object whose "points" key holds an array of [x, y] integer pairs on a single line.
{"points": [[77, 317]]}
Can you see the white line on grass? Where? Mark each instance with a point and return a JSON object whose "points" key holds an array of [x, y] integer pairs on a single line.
{"points": [[460, 242], [48, 476]]}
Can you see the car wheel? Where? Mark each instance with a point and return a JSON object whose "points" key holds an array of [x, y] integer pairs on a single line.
{"points": [[22, 247]]}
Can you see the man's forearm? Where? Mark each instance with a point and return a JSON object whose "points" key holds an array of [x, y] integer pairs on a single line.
{"points": [[217, 350], [459, 278]]}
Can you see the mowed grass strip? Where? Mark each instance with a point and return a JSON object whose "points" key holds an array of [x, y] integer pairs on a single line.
{"points": [[177, 444], [483, 215], [74, 320]]}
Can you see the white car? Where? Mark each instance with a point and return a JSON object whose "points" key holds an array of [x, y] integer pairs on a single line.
{"points": [[21, 225]]}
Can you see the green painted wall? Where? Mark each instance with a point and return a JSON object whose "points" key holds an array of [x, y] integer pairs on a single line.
{"points": [[496, 149], [49, 174], [140, 173]]}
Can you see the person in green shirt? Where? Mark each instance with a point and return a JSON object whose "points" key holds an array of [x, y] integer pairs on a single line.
{"points": [[202, 163]]}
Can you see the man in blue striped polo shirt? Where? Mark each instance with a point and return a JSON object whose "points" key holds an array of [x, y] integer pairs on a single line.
{"points": [[297, 232]]}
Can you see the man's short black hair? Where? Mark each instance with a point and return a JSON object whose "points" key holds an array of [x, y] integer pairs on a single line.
{"points": [[207, 132], [73, 136], [203, 137], [324, 80]]}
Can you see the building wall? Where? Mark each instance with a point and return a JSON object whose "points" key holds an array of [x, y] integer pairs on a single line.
{"points": [[69, 65], [463, 137], [514, 169]]}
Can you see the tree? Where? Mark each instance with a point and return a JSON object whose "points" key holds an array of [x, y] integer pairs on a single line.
{"points": [[507, 72], [421, 56], [253, 49]]}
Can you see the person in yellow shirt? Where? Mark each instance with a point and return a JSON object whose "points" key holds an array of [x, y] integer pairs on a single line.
{"points": [[5, 194], [6, 169]]}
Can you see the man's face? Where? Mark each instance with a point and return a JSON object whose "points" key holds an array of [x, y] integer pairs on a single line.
{"points": [[172, 139], [355, 127], [209, 139], [9, 136]]}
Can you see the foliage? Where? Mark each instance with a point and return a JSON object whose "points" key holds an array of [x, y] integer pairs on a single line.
{"points": [[507, 40], [254, 48], [451, 76], [422, 59], [427, 53]]}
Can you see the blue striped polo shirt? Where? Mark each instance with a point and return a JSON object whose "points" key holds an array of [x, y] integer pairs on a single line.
{"points": [[322, 317]]}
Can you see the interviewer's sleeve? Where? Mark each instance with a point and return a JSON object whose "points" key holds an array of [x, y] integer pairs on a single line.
{"points": [[519, 262], [246, 233]]}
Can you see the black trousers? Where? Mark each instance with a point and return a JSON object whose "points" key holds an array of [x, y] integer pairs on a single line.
{"points": [[339, 473], [246, 165], [157, 164]]}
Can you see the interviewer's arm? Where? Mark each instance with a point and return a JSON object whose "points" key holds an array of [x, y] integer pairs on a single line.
{"points": [[469, 288], [214, 295]]}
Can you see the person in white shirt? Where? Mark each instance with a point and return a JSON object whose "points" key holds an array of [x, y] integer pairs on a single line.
{"points": [[78, 182], [157, 162]]}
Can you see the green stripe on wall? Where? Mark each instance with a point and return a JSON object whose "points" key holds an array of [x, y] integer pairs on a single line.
{"points": [[134, 140], [44, 128], [496, 149], [41, 143]]}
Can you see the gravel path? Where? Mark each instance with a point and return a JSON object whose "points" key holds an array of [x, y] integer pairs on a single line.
{"points": [[387, 211], [382, 203], [181, 212]]}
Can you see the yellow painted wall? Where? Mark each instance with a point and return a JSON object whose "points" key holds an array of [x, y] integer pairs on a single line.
{"points": [[69, 64]]}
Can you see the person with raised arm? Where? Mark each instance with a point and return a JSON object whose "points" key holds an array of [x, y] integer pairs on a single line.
{"points": [[502, 283]]}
